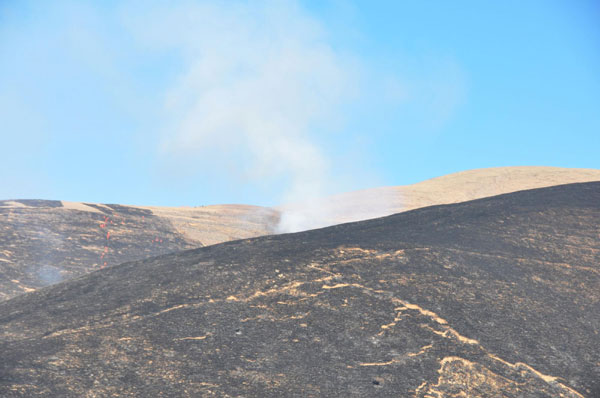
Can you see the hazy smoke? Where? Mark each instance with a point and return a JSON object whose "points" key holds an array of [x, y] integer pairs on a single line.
{"points": [[259, 80], [337, 209], [49, 275]]}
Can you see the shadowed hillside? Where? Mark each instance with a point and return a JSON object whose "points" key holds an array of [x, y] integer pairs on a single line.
{"points": [[498, 297]]}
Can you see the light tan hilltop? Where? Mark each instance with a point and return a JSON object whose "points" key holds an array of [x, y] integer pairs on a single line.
{"points": [[219, 223], [451, 188], [214, 224]]}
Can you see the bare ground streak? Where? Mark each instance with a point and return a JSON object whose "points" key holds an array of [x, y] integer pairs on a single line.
{"points": [[497, 297]]}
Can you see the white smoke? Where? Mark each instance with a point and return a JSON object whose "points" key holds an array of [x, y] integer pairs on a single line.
{"points": [[337, 209], [258, 81], [49, 275]]}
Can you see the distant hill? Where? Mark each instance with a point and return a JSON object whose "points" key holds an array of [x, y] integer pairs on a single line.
{"points": [[451, 188], [497, 297], [44, 241]]}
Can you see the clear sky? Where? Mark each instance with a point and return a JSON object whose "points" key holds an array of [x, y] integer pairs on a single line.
{"points": [[258, 102]]}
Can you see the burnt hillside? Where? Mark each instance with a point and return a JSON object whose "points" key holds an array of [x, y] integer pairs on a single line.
{"points": [[42, 242], [498, 297]]}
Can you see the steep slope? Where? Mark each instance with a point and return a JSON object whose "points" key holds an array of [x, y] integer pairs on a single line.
{"points": [[498, 297]]}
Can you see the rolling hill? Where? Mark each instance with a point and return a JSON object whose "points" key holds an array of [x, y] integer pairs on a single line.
{"points": [[497, 297], [46, 241]]}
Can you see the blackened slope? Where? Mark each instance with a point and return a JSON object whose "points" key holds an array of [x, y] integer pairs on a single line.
{"points": [[43, 243], [495, 297], [39, 202]]}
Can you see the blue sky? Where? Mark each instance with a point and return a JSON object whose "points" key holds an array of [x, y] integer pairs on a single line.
{"points": [[259, 102]]}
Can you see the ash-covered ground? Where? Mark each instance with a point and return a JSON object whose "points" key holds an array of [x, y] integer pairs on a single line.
{"points": [[497, 297]]}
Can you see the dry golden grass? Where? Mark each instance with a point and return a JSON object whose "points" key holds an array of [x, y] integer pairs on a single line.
{"points": [[213, 224]]}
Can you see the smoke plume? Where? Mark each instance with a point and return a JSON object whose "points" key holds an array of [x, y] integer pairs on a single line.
{"points": [[257, 84]]}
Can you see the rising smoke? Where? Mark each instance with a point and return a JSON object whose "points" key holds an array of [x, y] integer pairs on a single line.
{"points": [[258, 80]]}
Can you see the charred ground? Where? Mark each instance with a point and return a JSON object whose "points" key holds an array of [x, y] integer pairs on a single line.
{"points": [[43, 243], [497, 297]]}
